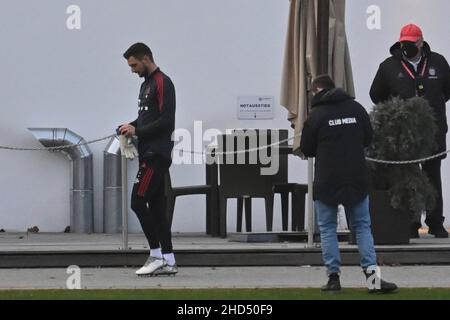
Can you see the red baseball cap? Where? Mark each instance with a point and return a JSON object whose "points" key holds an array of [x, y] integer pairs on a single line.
{"points": [[411, 32]]}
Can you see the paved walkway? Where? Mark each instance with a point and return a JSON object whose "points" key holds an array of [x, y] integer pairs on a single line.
{"points": [[198, 277], [223, 277]]}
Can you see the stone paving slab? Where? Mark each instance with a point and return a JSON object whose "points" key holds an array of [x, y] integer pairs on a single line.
{"points": [[221, 277]]}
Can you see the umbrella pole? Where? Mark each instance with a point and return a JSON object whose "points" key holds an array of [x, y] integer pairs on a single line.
{"points": [[310, 204], [323, 35], [323, 22]]}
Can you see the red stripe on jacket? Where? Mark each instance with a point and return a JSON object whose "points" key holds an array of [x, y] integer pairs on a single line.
{"points": [[145, 182], [160, 89]]}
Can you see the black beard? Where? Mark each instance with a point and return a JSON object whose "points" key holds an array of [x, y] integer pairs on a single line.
{"points": [[145, 73]]}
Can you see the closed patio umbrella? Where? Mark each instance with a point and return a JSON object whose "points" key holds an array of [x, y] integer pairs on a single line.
{"points": [[316, 43]]}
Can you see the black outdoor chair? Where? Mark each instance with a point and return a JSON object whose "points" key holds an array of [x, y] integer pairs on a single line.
{"points": [[240, 180], [282, 187], [210, 191]]}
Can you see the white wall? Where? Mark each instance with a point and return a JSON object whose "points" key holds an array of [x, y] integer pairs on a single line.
{"points": [[54, 77], [213, 50]]}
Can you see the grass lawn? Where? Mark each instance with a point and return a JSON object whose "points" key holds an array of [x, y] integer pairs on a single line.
{"points": [[224, 294]]}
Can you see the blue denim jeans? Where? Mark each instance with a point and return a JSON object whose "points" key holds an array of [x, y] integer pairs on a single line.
{"points": [[326, 217]]}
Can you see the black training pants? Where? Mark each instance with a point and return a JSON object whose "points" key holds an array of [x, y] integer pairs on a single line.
{"points": [[149, 202], [435, 217]]}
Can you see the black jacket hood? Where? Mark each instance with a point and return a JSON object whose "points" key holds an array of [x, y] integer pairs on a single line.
{"points": [[331, 96], [397, 52]]}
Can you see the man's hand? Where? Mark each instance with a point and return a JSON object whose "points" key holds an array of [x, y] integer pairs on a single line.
{"points": [[127, 130]]}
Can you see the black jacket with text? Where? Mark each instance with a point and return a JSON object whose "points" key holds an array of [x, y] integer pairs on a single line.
{"points": [[397, 78], [336, 133], [156, 116]]}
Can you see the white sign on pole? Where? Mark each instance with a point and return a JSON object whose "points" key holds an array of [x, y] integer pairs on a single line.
{"points": [[255, 107]]}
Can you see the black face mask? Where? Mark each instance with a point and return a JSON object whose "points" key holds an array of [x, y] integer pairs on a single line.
{"points": [[409, 50]]}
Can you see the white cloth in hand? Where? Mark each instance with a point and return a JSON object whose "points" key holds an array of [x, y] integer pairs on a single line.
{"points": [[127, 147]]}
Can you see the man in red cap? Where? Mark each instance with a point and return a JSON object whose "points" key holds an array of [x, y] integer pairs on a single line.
{"points": [[414, 70]]}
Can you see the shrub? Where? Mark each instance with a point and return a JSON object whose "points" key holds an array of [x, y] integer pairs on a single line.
{"points": [[403, 130]]}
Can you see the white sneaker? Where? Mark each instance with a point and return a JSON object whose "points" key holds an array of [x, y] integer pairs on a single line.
{"points": [[151, 266]]}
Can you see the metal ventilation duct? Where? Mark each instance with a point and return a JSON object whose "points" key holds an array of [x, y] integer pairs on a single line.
{"points": [[81, 193]]}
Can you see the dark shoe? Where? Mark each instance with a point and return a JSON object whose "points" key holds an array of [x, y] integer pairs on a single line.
{"points": [[439, 232], [333, 285], [383, 286]]}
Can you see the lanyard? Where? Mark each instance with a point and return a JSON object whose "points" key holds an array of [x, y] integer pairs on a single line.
{"points": [[419, 81], [411, 74]]}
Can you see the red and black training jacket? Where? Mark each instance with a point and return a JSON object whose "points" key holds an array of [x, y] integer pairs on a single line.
{"points": [[156, 116]]}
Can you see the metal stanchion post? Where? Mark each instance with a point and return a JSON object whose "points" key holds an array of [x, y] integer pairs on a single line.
{"points": [[124, 203]]}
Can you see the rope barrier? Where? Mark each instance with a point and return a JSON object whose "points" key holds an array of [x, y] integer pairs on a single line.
{"points": [[59, 148], [409, 161]]}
